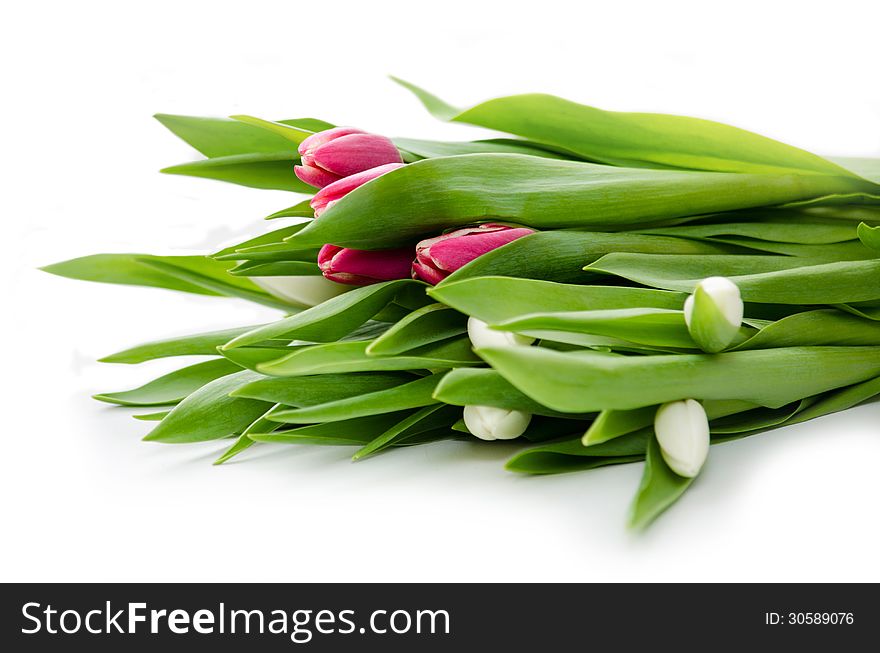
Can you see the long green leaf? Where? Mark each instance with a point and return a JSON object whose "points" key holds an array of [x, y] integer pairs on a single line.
{"points": [[583, 381], [356, 431], [643, 139], [210, 413], [173, 387], [561, 255], [652, 326], [344, 357], [820, 327], [434, 194], [425, 419], [331, 319], [313, 390], [199, 344], [415, 394], [482, 387], [769, 279], [266, 170], [659, 489], [218, 137], [423, 326], [496, 299]]}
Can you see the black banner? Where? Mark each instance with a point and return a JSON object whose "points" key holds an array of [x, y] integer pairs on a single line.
{"points": [[432, 617]]}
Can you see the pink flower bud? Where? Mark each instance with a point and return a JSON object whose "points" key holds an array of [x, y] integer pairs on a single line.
{"points": [[325, 197], [329, 155], [348, 155], [307, 148], [359, 267], [437, 258]]}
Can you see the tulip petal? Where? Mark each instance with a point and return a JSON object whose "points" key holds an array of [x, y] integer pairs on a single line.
{"points": [[315, 176], [339, 189], [427, 272], [452, 253], [355, 153], [318, 139], [384, 265]]}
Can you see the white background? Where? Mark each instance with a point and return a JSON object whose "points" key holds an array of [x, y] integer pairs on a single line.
{"points": [[84, 499]]}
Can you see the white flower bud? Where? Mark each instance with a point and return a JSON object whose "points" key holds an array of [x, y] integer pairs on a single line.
{"points": [[304, 290], [714, 313], [490, 423], [483, 336], [682, 431]]}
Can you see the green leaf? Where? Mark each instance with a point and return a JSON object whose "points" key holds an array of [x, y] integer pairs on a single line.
{"points": [[582, 381], [343, 357], [287, 132], [561, 255], [820, 327], [275, 269], [431, 195], [226, 284], [332, 319], [839, 400], [652, 326], [194, 274], [414, 394], [299, 210], [423, 326], [210, 413], [767, 279], [659, 489], [569, 455], [634, 139], [433, 149], [199, 344], [152, 417], [869, 236], [794, 231], [274, 237], [219, 137], [313, 390], [250, 357], [862, 166], [244, 441], [422, 420], [611, 424], [173, 387], [356, 431], [496, 299], [266, 170], [482, 387]]}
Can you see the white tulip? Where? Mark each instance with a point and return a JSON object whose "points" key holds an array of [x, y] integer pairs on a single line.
{"points": [[482, 335], [491, 423], [303, 290], [682, 431], [714, 313]]}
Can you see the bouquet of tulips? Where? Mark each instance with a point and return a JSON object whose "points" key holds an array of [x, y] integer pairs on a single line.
{"points": [[600, 287]]}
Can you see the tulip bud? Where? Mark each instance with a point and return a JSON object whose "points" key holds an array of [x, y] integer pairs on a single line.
{"points": [[359, 267], [302, 290], [682, 431], [491, 423], [714, 313], [437, 258], [329, 195], [332, 154], [483, 336]]}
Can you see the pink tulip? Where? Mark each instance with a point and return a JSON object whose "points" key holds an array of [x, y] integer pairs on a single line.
{"points": [[358, 267], [327, 196], [332, 154], [437, 258]]}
